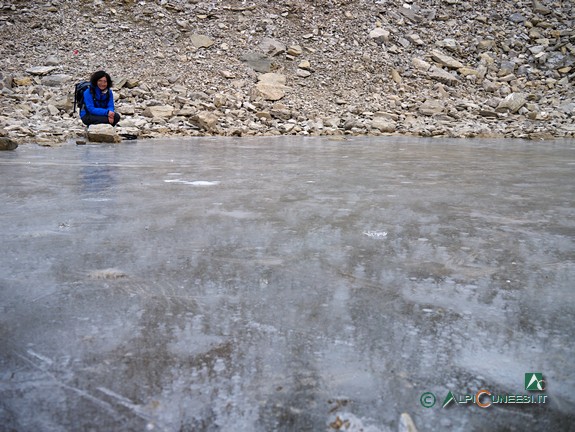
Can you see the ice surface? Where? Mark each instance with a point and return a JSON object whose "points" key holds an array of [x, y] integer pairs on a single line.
{"points": [[282, 283]]}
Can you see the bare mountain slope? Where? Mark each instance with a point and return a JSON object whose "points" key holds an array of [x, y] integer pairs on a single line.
{"points": [[453, 68]]}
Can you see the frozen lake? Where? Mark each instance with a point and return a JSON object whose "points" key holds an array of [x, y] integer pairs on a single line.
{"points": [[287, 284]]}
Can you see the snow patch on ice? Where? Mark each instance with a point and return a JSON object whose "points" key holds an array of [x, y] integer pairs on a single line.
{"points": [[376, 234], [194, 183]]}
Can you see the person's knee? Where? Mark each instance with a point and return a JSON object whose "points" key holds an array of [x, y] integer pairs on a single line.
{"points": [[116, 118]]}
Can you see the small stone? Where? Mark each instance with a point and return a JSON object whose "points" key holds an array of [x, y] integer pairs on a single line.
{"points": [[445, 60], [395, 76], [52, 61], [295, 50], [466, 71], [227, 74], [443, 76], [379, 35], [201, 41], [485, 45], [272, 47], [448, 43], [416, 39], [420, 64], [517, 18], [264, 115], [22, 81]]}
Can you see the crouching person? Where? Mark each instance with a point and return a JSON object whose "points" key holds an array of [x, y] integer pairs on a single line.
{"points": [[99, 101]]}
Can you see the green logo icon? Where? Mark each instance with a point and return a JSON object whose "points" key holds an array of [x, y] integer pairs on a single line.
{"points": [[448, 399], [427, 399], [534, 381]]}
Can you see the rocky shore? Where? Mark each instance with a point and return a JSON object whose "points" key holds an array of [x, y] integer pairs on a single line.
{"points": [[449, 68]]}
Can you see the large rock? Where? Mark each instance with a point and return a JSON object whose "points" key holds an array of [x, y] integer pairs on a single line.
{"points": [[383, 124], [206, 120], [269, 92], [7, 143], [159, 111], [512, 103], [280, 111], [128, 132], [271, 86], [103, 133], [431, 107]]}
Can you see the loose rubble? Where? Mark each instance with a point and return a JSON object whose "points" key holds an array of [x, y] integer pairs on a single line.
{"points": [[450, 68]]}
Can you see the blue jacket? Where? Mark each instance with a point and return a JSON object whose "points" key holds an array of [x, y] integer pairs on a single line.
{"points": [[97, 105]]}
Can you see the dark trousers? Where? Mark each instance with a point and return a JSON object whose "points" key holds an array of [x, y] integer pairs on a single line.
{"points": [[89, 119]]}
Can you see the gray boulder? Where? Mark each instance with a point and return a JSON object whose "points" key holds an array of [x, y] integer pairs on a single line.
{"points": [[257, 61]]}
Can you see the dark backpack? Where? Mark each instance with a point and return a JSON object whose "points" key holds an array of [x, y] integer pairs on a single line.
{"points": [[79, 90]]}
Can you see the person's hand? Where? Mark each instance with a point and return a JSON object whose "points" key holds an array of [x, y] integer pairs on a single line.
{"points": [[111, 117]]}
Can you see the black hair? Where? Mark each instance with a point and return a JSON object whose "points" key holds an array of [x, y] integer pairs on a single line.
{"points": [[100, 74]]}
